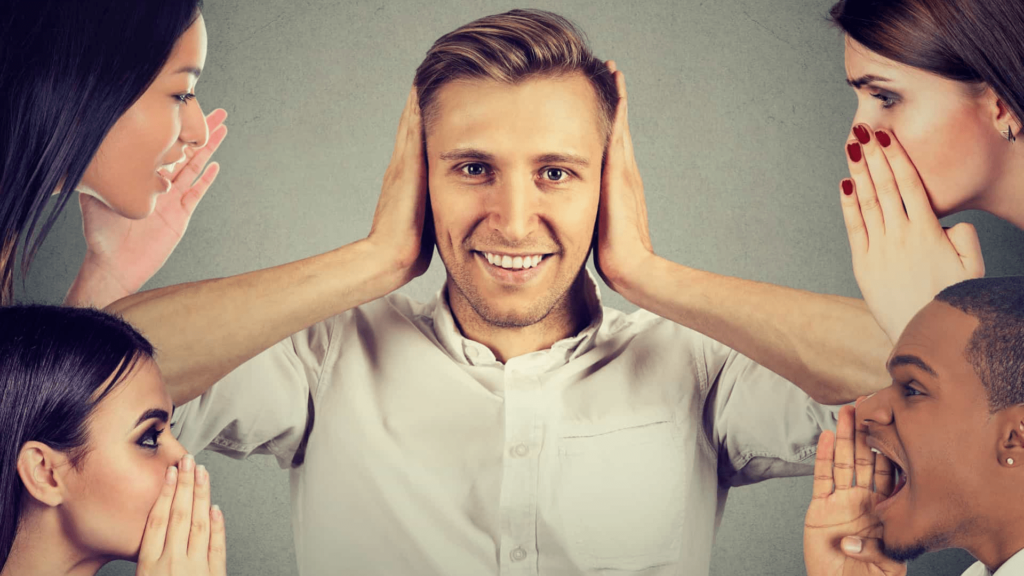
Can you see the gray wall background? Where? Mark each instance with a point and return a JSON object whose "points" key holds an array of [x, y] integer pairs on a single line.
{"points": [[739, 112]]}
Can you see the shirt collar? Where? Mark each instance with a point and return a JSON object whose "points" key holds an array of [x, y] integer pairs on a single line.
{"points": [[467, 351], [1015, 565]]}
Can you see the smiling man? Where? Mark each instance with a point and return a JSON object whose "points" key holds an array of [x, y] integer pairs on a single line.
{"points": [[512, 424], [950, 437]]}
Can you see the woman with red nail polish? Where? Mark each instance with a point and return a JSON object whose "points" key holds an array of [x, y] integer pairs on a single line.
{"points": [[940, 103]]}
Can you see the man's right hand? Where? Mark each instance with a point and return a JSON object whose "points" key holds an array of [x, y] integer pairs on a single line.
{"points": [[402, 223], [841, 535]]}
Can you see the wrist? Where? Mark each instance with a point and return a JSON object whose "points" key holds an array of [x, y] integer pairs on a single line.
{"points": [[95, 287]]}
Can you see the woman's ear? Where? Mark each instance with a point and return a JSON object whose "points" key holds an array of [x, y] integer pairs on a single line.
{"points": [[1001, 115], [40, 468]]}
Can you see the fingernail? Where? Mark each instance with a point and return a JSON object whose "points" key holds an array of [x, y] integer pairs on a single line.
{"points": [[216, 512], [847, 187], [172, 475], [853, 149], [852, 545], [187, 463], [201, 475], [862, 134], [883, 139]]}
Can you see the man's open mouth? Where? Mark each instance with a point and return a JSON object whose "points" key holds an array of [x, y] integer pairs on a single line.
{"points": [[900, 476]]}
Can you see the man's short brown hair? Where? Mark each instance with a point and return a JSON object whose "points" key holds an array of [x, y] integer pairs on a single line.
{"points": [[513, 47]]}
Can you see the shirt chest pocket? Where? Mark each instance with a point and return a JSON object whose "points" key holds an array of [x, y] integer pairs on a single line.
{"points": [[620, 496]]}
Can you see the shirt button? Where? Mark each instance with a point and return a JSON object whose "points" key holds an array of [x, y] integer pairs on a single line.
{"points": [[520, 450], [518, 554]]}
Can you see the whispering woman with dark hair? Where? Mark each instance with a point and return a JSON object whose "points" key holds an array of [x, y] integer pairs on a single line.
{"points": [[99, 97], [940, 89], [89, 471]]}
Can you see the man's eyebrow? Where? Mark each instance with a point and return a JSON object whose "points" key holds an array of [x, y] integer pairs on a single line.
{"points": [[190, 70], [158, 413], [866, 79], [467, 154], [481, 156], [910, 360], [562, 159]]}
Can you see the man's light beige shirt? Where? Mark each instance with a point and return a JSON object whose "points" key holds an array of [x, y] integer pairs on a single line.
{"points": [[414, 452]]}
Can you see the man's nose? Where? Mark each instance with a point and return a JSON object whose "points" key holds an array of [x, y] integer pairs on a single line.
{"points": [[514, 208], [877, 408]]}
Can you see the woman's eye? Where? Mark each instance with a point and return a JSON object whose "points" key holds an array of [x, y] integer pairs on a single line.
{"points": [[184, 98], [554, 174], [474, 169], [149, 438], [887, 101]]}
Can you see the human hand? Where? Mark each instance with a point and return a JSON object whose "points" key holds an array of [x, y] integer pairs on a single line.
{"points": [[902, 257], [403, 227], [841, 535], [123, 254], [184, 535], [622, 238]]}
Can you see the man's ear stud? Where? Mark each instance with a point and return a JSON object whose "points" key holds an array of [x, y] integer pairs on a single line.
{"points": [[1009, 461]]}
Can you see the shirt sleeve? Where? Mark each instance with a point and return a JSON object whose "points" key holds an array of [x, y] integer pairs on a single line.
{"points": [[762, 425], [265, 406]]}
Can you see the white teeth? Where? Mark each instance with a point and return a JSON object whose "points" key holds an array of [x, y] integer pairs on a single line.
{"points": [[875, 450], [513, 262]]}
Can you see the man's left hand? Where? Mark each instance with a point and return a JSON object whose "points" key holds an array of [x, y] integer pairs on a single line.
{"points": [[622, 243]]}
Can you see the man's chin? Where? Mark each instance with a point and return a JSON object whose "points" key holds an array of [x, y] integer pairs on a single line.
{"points": [[906, 550]]}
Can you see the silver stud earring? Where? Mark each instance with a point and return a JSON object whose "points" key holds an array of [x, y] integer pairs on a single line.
{"points": [[1008, 133], [1009, 461]]}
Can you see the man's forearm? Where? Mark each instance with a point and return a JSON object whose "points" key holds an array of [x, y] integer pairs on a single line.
{"points": [[829, 346], [204, 330]]}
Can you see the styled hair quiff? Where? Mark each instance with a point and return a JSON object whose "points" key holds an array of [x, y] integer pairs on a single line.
{"points": [[511, 48]]}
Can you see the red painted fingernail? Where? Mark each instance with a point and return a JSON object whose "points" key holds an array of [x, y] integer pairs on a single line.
{"points": [[847, 187], [883, 139], [862, 134], [853, 149]]}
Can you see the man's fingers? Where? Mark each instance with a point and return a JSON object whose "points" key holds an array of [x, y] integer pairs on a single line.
{"points": [[218, 543], [869, 551], [964, 238], [887, 188], [199, 534], [191, 198], [156, 525], [844, 458], [823, 466], [402, 135], [855, 228], [885, 477], [864, 459], [181, 508], [912, 191]]}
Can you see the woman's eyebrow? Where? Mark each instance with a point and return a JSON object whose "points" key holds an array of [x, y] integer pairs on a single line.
{"points": [[158, 413], [190, 70], [866, 79]]}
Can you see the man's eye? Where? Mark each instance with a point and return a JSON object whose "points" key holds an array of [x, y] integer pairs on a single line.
{"points": [[554, 174], [909, 390], [474, 169]]}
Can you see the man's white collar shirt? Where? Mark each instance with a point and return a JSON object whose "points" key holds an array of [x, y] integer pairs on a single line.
{"points": [[1012, 567], [412, 450]]}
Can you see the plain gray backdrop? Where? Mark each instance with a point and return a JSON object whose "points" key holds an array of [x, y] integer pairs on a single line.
{"points": [[739, 112]]}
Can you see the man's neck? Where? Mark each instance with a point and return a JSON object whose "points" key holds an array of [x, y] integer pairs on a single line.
{"points": [[570, 316], [994, 547]]}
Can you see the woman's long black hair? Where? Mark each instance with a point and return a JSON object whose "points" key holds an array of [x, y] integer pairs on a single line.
{"points": [[971, 41], [53, 360], [68, 70]]}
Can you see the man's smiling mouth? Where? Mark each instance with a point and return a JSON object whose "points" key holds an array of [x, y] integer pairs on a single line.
{"points": [[516, 262]]}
